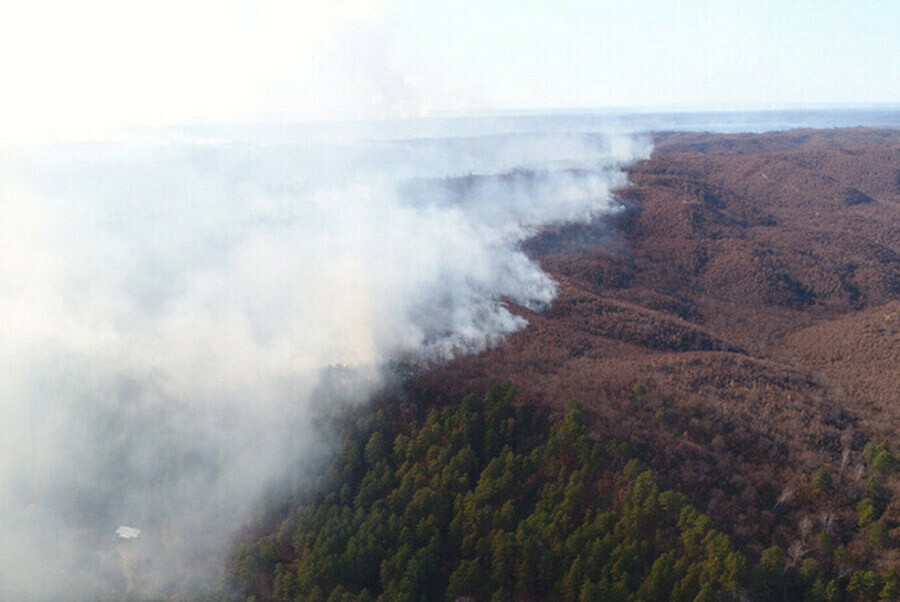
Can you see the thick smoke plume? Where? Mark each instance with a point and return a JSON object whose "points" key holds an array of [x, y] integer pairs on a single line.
{"points": [[169, 304]]}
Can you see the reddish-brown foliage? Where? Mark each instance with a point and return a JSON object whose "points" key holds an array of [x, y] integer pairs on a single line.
{"points": [[753, 287]]}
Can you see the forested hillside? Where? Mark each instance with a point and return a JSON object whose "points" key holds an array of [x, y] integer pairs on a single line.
{"points": [[486, 501], [733, 331], [481, 500]]}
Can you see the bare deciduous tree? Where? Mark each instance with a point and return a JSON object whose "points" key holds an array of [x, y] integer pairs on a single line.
{"points": [[827, 519], [786, 496], [796, 552], [805, 526]]}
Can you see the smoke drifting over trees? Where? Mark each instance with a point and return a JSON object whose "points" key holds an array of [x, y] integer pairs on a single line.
{"points": [[169, 305]]}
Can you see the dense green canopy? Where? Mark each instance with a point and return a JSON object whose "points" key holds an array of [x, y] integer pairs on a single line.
{"points": [[483, 501]]}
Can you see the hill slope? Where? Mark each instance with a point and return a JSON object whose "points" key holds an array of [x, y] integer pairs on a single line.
{"points": [[737, 327], [744, 289]]}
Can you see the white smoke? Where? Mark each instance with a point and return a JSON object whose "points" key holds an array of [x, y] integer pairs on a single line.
{"points": [[169, 305]]}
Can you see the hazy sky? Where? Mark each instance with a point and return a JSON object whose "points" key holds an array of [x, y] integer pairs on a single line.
{"points": [[82, 65]]}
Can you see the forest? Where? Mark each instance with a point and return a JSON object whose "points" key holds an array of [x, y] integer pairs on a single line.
{"points": [[487, 501], [729, 337]]}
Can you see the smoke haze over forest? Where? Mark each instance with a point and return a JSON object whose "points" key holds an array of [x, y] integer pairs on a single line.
{"points": [[218, 219], [169, 306], [172, 297]]}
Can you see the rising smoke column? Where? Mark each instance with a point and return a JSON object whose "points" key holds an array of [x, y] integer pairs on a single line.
{"points": [[170, 304]]}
